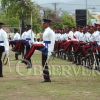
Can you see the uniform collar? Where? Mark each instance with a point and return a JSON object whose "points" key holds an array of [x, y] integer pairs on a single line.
{"points": [[47, 28]]}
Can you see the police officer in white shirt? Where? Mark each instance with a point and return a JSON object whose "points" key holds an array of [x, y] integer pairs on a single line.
{"points": [[16, 38], [30, 35], [87, 34], [48, 37], [4, 46], [82, 36], [16, 35], [70, 34]]}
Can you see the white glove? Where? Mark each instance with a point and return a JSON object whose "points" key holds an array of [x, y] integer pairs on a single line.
{"points": [[7, 52]]}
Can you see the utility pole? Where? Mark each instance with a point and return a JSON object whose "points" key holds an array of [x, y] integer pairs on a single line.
{"points": [[86, 13]]}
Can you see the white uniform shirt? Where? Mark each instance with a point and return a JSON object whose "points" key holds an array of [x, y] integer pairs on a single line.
{"points": [[10, 35], [30, 34], [56, 38], [3, 37], [49, 35], [16, 36], [96, 35], [92, 38], [65, 36], [61, 37], [87, 36], [23, 36], [82, 37], [98, 40], [77, 35], [70, 35]]}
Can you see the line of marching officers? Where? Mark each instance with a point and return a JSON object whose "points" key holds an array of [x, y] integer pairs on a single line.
{"points": [[26, 40], [82, 39], [27, 35]]}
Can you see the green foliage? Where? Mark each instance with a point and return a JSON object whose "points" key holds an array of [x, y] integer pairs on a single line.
{"points": [[89, 18], [57, 21], [12, 12], [12, 15], [67, 20]]}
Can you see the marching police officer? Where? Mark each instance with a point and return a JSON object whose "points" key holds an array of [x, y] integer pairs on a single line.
{"points": [[4, 46], [48, 37]]}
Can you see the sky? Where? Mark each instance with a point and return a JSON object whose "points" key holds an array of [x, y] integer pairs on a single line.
{"points": [[70, 5], [49, 1]]}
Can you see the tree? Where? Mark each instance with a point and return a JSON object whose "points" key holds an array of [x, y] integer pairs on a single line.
{"points": [[59, 21], [12, 12], [67, 20], [90, 17]]}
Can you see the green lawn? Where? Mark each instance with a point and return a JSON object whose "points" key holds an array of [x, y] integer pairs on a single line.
{"points": [[69, 82]]}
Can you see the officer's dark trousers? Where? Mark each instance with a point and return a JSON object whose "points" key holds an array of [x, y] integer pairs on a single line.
{"points": [[45, 67], [1, 51]]}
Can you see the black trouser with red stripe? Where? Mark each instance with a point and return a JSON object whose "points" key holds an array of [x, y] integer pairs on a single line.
{"points": [[1, 51], [20, 45], [13, 43], [44, 59]]}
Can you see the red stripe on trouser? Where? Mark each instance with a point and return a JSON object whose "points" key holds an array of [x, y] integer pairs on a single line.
{"points": [[19, 46], [84, 49], [58, 44], [63, 41], [10, 42], [62, 44], [16, 46], [75, 45], [96, 48], [67, 46], [92, 43], [31, 51], [80, 44]]}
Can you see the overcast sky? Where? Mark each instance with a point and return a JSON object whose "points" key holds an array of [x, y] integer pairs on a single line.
{"points": [[49, 1], [70, 5]]}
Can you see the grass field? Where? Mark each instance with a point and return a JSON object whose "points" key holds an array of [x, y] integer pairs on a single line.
{"points": [[69, 82]]}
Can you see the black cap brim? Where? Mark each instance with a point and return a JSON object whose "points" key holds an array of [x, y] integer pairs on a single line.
{"points": [[1, 23], [46, 20]]}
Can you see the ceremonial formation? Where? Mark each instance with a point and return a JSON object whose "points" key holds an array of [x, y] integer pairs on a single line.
{"points": [[26, 42], [81, 45]]}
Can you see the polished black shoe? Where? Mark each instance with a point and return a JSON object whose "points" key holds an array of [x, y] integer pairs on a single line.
{"points": [[29, 66], [23, 61], [46, 81], [1, 75], [26, 62]]}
